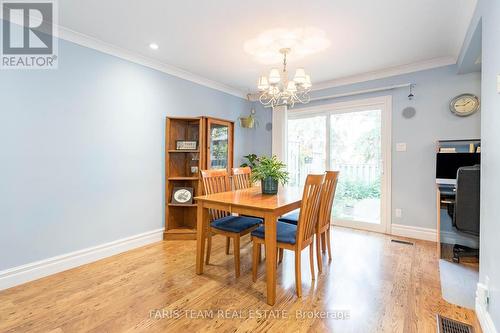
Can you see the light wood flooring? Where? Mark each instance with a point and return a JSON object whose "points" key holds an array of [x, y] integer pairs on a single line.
{"points": [[381, 285]]}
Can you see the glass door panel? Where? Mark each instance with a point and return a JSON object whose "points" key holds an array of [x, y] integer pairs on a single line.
{"points": [[356, 151], [218, 136], [354, 138], [306, 148]]}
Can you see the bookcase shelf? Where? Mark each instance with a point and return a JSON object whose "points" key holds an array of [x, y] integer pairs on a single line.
{"points": [[182, 167]]}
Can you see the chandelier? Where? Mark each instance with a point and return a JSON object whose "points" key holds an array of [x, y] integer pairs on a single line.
{"points": [[276, 89]]}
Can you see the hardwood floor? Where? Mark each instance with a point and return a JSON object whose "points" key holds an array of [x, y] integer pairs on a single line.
{"points": [[380, 285]]}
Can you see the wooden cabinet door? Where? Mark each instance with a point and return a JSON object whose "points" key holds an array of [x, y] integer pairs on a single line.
{"points": [[219, 144]]}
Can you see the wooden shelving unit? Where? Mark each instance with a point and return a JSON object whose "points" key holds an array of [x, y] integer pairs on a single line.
{"points": [[215, 150], [180, 220]]}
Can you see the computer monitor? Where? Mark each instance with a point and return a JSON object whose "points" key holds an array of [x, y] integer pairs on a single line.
{"points": [[447, 165]]}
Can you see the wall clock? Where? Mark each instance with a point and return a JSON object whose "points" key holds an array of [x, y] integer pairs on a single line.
{"points": [[464, 105], [182, 195]]}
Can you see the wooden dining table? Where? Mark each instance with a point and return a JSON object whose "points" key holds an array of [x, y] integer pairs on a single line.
{"points": [[253, 203]]}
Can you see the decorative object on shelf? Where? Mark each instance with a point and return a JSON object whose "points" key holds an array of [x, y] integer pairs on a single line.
{"points": [[250, 121], [182, 195], [270, 171], [465, 105], [186, 145], [194, 169], [276, 89], [252, 161]]}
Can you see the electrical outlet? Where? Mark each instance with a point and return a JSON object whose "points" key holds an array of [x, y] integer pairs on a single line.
{"points": [[399, 212], [498, 83], [401, 146], [483, 293]]}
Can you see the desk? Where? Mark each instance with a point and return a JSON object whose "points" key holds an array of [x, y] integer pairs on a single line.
{"points": [[249, 202]]}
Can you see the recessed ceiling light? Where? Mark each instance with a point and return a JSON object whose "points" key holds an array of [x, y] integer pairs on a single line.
{"points": [[153, 46]]}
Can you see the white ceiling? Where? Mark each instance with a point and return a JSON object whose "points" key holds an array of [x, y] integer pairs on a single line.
{"points": [[207, 38]]}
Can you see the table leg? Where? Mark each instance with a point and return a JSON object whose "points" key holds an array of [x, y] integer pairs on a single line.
{"points": [[270, 240], [201, 229]]}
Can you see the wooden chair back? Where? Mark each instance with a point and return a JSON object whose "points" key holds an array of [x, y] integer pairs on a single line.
{"points": [[241, 178], [215, 181], [327, 196], [308, 217]]}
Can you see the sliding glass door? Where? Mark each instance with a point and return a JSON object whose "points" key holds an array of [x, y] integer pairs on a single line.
{"points": [[352, 138]]}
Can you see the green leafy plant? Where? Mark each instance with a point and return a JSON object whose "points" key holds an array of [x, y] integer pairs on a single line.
{"points": [[252, 161], [270, 167]]}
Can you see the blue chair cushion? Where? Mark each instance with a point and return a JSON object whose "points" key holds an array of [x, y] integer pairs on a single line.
{"points": [[235, 224], [292, 217], [285, 232]]}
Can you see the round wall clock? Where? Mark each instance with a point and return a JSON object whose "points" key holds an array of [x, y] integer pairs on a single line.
{"points": [[464, 105], [182, 195]]}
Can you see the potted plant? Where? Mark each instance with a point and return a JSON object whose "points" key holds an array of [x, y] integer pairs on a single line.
{"points": [[252, 161], [270, 171]]}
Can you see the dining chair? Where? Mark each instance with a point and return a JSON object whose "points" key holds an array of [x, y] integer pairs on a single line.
{"points": [[323, 228], [222, 222], [324, 216], [241, 178], [295, 237]]}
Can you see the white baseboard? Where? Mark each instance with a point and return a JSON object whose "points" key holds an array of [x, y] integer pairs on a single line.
{"points": [[484, 318], [21, 274], [414, 232]]}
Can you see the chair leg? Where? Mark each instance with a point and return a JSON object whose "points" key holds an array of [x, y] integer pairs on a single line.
{"points": [[260, 252], [311, 260], [323, 243], [298, 281], [236, 241], [277, 257], [328, 244], [255, 260], [280, 256], [209, 246], [319, 256], [228, 244]]}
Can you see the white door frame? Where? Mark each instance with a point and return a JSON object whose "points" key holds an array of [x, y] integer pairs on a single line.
{"points": [[383, 103]]}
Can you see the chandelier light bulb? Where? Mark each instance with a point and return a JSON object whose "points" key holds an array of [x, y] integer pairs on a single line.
{"points": [[291, 87], [307, 83], [263, 83], [300, 76], [274, 76]]}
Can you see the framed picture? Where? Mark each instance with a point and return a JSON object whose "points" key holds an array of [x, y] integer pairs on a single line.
{"points": [[182, 195], [186, 145]]}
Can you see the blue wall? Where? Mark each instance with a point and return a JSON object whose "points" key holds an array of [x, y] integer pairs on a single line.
{"points": [[82, 150], [488, 12], [413, 171]]}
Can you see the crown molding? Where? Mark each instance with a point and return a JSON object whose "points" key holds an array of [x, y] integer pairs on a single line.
{"points": [[384, 73], [108, 48], [376, 75]]}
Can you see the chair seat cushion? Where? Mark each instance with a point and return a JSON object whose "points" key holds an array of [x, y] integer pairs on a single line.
{"points": [[235, 224], [291, 217], [285, 232]]}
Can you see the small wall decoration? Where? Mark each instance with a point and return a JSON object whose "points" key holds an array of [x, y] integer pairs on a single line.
{"points": [[250, 121], [182, 195], [464, 105], [409, 112], [186, 145]]}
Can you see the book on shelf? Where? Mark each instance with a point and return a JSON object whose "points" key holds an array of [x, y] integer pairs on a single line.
{"points": [[447, 150]]}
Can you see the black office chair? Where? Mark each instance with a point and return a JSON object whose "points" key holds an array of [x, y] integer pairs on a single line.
{"points": [[466, 208]]}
